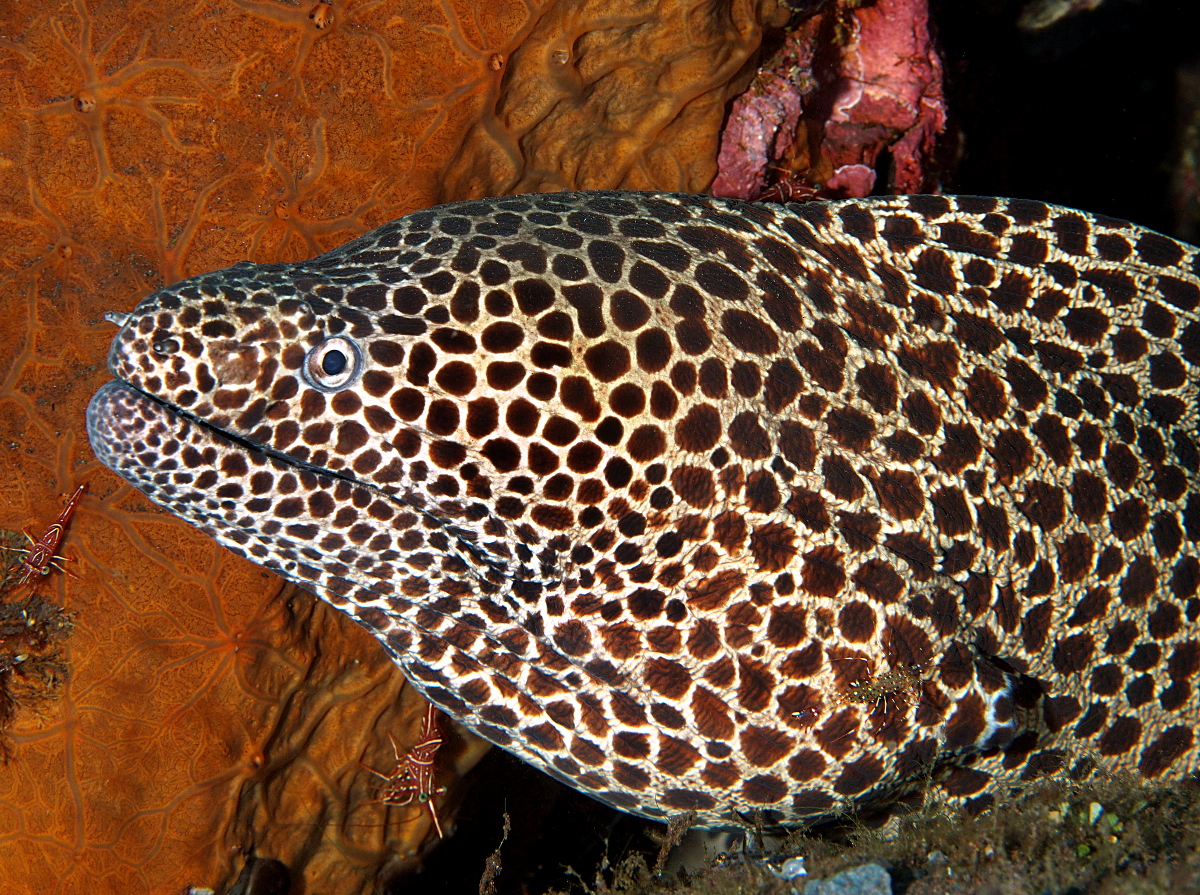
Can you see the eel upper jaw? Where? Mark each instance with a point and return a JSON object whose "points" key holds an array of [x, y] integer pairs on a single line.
{"points": [[113, 362]]}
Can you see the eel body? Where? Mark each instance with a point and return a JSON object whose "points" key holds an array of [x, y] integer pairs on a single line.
{"points": [[700, 505]]}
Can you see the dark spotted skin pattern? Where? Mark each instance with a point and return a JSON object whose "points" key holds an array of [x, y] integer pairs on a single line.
{"points": [[648, 489]]}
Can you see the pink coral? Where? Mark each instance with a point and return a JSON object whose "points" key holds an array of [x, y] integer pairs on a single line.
{"points": [[763, 122], [891, 96], [861, 81]]}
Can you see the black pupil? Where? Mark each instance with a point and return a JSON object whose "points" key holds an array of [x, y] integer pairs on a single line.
{"points": [[333, 362]]}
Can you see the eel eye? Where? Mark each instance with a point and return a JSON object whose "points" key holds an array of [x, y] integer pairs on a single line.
{"points": [[332, 365]]}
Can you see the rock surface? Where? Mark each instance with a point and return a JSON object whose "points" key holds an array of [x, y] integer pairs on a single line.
{"points": [[866, 879]]}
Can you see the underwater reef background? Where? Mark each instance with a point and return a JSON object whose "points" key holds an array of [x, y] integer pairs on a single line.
{"points": [[205, 715]]}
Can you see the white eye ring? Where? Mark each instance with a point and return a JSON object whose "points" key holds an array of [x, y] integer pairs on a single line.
{"points": [[332, 365]]}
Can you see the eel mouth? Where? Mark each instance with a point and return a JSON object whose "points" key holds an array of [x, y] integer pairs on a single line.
{"points": [[148, 441], [125, 422], [184, 465]]}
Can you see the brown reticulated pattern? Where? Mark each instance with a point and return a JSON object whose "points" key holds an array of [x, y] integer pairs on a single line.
{"points": [[708, 506]]}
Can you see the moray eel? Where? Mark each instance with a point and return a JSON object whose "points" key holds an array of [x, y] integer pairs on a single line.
{"points": [[707, 506]]}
